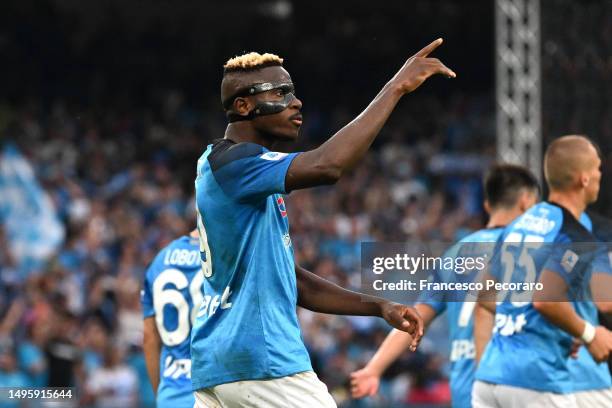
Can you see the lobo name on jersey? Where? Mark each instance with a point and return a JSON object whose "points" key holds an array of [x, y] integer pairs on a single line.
{"points": [[172, 294]]}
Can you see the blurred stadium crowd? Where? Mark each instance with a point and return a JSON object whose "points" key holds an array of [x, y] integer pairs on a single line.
{"points": [[123, 186], [120, 171]]}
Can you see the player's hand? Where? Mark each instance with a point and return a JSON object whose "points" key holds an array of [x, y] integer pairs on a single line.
{"points": [[601, 345], [364, 383], [404, 318], [576, 344], [419, 67]]}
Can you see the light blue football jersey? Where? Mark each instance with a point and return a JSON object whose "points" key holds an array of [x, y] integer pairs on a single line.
{"points": [[247, 326], [526, 350], [172, 291], [459, 312], [587, 374]]}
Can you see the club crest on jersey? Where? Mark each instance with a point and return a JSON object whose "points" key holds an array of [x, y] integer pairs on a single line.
{"points": [[281, 206], [287, 240]]}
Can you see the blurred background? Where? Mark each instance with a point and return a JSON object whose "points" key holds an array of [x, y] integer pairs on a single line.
{"points": [[106, 106]]}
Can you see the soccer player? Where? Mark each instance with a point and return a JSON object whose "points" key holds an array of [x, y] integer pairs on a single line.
{"points": [[509, 191], [603, 231], [246, 346], [525, 363], [171, 295], [591, 381]]}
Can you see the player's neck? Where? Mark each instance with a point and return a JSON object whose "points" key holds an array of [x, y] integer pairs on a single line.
{"points": [[241, 132], [502, 217], [568, 200]]}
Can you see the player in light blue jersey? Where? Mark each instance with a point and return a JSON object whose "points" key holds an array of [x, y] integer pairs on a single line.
{"points": [[170, 297], [509, 191], [247, 349], [525, 363], [591, 380]]}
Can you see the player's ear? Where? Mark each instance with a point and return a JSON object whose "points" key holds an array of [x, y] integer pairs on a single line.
{"points": [[242, 106], [487, 206], [525, 201], [584, 179], [533, 198]]}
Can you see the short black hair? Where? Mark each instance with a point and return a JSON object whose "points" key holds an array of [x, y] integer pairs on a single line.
{"points": [[503, 184]]}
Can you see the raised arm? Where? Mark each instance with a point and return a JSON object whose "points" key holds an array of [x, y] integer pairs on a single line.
{"points": [[320, 295], [327, 163]]}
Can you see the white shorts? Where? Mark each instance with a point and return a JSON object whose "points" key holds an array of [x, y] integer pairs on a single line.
{"points": [[594, 398], [487, 395], [294, 391]]}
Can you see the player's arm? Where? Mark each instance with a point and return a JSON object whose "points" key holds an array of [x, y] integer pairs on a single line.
{"points": [[320, 295], [327, 163], [484, 319], [152, 349], [365, 382], [601, 285], [563, 315], [151, 342]]}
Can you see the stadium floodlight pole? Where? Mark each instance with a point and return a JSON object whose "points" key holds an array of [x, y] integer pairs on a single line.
{"points": [[518, 83]]}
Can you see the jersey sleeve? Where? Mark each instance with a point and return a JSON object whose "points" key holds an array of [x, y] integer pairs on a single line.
{"points": [[146, 296], [564, 258], [602, 262], [432, 298], [575, 262], [248, 172]]}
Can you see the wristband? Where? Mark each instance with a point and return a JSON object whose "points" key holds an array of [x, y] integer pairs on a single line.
{"points": [[589, 333]]}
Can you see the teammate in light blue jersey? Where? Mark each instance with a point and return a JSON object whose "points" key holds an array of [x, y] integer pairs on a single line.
{"points": [[591, 381], [526, 360], [509, 191], [171, 295], [247, 349]]}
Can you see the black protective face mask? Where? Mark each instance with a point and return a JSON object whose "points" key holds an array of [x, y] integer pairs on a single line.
{"points": [[261, 108]]}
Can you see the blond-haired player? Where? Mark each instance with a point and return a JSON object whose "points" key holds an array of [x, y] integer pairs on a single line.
{"points": [[246, 344]]}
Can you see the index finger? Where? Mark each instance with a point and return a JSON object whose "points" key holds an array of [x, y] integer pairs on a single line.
{"points": [[428, 49]]}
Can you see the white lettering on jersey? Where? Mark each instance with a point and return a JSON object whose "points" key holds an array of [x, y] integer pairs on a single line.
{"points": [[182, 257], [210, 304], [462, 349], [506, 325], [177, 368], [535, 224]]}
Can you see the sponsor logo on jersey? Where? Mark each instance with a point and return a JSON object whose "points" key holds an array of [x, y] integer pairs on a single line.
{"points": [[177, 368], [210, 304], [535, 224], [273, 156], [462, 349]]}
